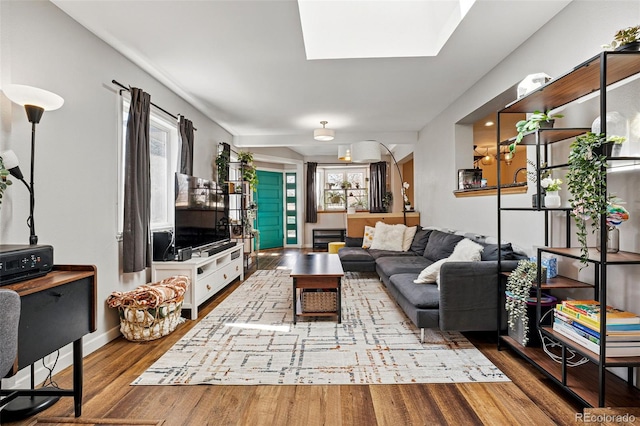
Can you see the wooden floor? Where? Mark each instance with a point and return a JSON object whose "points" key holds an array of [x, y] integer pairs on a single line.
{"points": [[530, 399]]}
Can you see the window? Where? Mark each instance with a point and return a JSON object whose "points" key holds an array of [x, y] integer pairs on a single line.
{"points": [[163, 149], [339, 187]]}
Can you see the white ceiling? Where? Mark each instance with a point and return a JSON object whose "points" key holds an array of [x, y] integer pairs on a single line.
{"points": [[243, 64]]}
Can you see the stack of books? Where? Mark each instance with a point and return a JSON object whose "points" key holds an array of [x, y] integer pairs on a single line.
{"points": [[579, 320]]}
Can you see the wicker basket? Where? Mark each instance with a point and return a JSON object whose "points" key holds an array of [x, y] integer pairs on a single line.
{"points": [[319, 301], [141, 323]]}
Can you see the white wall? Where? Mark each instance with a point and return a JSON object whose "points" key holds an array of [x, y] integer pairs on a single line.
{"points": [[573, 36], [76, 146]]}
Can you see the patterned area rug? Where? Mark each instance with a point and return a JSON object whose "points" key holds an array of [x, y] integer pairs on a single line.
{"points": [[249, 339]]}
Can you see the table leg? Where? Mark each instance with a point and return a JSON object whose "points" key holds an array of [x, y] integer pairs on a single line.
{"points": [[77, 376], [339, 300], [294, 301]]}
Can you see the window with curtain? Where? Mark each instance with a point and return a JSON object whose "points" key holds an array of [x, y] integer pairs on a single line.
{"points": [[163, 150]]}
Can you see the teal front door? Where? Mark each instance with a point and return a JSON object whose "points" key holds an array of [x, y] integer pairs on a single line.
{"points": [[270, 209]]}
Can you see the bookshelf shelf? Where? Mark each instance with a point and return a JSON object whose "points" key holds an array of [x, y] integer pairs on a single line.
{"points": [[592, 383]]}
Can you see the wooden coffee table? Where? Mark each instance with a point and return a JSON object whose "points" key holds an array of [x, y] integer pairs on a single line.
{"points": [[317, 271]]}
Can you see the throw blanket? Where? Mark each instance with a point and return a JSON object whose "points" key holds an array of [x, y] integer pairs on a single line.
{"points": [[151, 295]]}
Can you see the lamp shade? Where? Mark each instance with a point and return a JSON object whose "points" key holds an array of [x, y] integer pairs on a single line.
{"points": [[344, 152], [27, 95], [11, 163], [324, 134], [365, 152]]}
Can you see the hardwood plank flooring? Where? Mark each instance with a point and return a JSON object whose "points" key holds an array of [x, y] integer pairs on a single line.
{"points": [[529, 399]]}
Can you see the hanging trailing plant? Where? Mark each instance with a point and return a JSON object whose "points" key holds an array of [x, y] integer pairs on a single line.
{"points": [[222, 164], [586, 180], [519, 284]]}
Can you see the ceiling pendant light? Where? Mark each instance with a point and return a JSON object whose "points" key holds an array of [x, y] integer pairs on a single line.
{"points": [[324, 134], [344, 152]]}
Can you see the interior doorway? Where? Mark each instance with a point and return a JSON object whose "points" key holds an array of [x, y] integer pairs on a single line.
{"points": [[270, 218]]}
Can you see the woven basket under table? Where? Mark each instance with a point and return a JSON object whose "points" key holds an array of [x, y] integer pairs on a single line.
{"points": [[140, 323], [319, 301]]}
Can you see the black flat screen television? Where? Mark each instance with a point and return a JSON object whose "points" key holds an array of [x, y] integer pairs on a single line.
{"points": [[201, 213]]}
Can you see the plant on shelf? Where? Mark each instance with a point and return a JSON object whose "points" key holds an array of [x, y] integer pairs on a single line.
{"points": [[345, 184], [222, 164], [335, 197], [249, 173], [519, 285], [531, 124], [586, 180], [549, 184], [624, 37], [4, 181], [387, 199]]}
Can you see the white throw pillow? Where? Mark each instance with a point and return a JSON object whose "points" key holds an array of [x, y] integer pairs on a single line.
{"points": [[465, 251], [368, 236], [409, 233], [388, 237]]}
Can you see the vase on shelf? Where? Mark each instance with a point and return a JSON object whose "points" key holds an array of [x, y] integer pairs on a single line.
{"points": [[613, 240], [552, 199]]}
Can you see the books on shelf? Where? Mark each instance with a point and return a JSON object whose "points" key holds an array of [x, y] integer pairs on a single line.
{"points": [[623, 335], [593, 324], [617, 349], [591, 309]]}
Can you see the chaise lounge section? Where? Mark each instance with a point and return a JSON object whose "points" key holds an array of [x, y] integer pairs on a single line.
{"points": [[464, 296]]}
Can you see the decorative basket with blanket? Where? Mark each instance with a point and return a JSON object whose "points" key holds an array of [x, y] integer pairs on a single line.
{"points": [[150, 311]]}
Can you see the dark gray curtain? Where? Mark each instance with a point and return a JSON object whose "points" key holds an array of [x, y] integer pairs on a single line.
{"points": [[186, 144], [137, 192], [311, 206], [378, 186]]}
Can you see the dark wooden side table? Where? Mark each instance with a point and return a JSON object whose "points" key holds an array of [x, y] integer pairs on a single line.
{"points": [[56, 309], [317, 271]]}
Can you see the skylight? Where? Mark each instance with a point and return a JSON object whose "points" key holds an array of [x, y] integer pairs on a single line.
{"points": [[378, 28]]}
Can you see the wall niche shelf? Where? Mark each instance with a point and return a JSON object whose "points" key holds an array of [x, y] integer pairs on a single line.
{"points": [[591, 383]]}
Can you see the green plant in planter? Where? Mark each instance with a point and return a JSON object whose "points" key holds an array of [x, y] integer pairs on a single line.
{"points": [[4, 181], [624, 36], [519, 285], [222, 164], [532, 124], [335, 197], [586, 181], [249, 173]]}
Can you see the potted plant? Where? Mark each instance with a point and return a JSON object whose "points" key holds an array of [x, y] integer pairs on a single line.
{"points": [[222, 164], [249, 173], [586, 180], [551, 187], [536, 121], [335, 197], [626, 38], [387, 199], [345, 184], [519, 285], [4, 181]]}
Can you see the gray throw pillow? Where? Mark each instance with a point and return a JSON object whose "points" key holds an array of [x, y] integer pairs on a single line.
{"points": [[441, 245], [490, 252], [420, 241]]}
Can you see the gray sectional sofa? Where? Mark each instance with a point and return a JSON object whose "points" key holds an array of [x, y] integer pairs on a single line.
{"points": [[467, 298]]}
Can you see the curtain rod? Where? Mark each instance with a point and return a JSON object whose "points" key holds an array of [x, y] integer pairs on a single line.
{"points": [[160, 108]]}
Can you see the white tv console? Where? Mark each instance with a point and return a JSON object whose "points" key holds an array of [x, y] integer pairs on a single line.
{"points": [[208, 275]]}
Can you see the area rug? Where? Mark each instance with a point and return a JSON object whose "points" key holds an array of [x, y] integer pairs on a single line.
{"points": [[249, 339]]}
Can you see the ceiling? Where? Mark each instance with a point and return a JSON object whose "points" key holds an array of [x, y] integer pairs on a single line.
{"points": [[244, 65]]}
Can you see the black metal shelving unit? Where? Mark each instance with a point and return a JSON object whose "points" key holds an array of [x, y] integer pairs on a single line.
{"points": [[590, 383]]}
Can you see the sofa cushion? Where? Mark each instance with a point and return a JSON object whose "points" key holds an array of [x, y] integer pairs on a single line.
{"points": [[353, 241], [369, 232], [490, 252], [354, 254], [388, 237], [409, 234], [420, 241], [401, 265], [441, 245], [421, 296], [465, 251], [376, 254]]}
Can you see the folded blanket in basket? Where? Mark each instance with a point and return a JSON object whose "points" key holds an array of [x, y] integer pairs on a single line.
{"points": [[151, 295]]}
